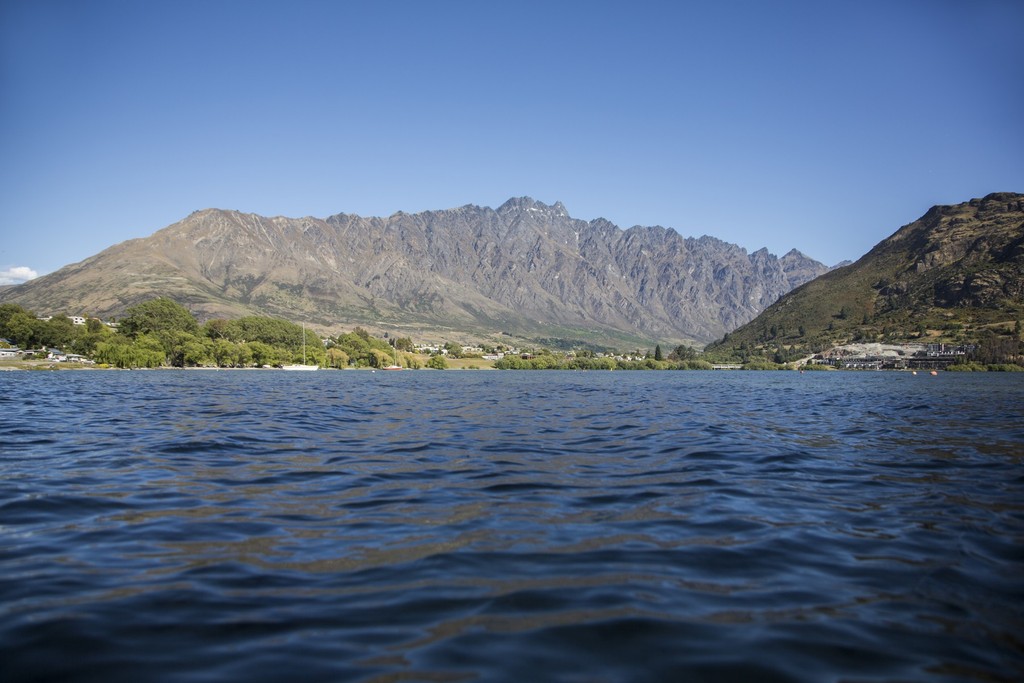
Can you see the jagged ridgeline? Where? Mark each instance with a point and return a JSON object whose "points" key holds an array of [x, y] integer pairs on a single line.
{"points": [[956, 273], [526, 269]]}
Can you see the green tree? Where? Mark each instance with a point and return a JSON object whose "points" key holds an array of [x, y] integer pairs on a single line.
{"points": [[509, 363], [657, 353], [261, 353], [361, 348], [112, 351], [683, 352], [148, 352], [8, 310], [545, 360], [225, 353], [174, 342], [157, 315], [85, 343], [144, 352], [243, 356], [22, 328], [437, 362], [58, 331], [379, 358], [994, 350], [454, 349], [272, 331], [355, 346], [336, 358], [217, 329], [195, 353]]}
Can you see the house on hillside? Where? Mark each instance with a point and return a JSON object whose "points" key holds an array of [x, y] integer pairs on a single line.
{"points": [[940, 350]]}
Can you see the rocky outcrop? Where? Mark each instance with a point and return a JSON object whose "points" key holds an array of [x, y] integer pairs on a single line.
{"points": [[525, 267], [969, 254]]}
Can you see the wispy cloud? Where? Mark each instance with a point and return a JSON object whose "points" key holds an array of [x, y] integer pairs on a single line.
{"points": [[15, 275]]}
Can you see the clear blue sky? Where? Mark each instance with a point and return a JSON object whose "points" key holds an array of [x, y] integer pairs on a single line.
{"points": [[817, 125]]}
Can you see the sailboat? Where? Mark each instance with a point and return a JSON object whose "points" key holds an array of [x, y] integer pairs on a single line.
{"points": [[295, 367], [395, 365]]}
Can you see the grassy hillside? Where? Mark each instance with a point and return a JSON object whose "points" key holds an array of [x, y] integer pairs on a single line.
{"points": [[956, 274]]}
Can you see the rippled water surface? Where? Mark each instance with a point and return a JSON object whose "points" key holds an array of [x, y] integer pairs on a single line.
{"points": [[180, 526]]}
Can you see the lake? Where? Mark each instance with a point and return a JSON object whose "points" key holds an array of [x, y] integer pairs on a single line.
{"points": [[509, 526]]}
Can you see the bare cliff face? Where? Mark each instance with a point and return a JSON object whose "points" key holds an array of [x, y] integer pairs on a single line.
{"points": [[526, 268]]}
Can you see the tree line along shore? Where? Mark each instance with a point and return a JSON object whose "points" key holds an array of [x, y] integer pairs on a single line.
{"points": [[162, 333]]}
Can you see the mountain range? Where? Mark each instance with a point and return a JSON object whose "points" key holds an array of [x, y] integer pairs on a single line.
{"points": [[525, 269]]}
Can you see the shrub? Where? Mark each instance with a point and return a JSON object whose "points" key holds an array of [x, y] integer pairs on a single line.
{"points": [[762, 365]]}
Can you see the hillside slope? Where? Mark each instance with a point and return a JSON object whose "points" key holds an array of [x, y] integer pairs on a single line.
{"points": [[953, 272]]}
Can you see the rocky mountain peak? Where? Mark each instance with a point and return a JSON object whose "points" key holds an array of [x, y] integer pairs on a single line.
{"points": [[528, 204]]}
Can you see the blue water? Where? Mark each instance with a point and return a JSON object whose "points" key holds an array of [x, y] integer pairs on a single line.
{"points": [[461, 526]]}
